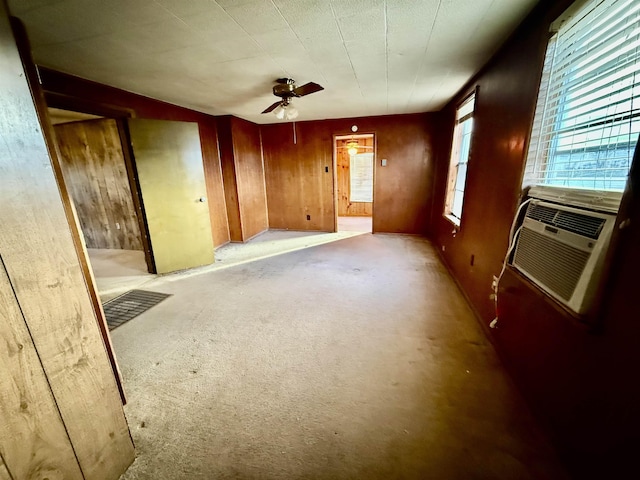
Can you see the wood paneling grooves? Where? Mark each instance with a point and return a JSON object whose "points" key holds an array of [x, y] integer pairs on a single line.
{"points": [[250, 181], [96, 176], [46, 277], [300, 175], [227, 160], [214, 183], [297, 183], [243, 173], [27, 407], [4, 472]]}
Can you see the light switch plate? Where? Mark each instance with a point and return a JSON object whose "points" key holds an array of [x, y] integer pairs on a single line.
{"points": [[383, 162]]}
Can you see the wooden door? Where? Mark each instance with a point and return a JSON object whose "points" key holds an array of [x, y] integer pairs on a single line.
{"points": [[168, 160], [95, 173]]}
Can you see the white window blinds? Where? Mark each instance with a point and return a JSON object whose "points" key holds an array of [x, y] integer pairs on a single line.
{"points": [[587, 117], [361, 177]]}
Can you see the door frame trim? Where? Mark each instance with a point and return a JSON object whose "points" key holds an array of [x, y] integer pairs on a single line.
{"points": [[335, 138]]}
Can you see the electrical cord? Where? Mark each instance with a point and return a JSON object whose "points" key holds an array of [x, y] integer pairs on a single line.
{"points": [[513, 238]]}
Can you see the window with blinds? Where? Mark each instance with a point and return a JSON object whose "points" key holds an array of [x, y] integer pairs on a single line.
{"points": [[587, 117], [361, 177], [460, 149]]}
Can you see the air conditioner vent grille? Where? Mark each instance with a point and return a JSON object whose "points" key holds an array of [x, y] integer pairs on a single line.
{"points": [[541, 213], [560, 267], [584, 225]]}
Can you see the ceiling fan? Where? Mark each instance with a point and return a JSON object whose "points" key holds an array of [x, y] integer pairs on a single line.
{"points": [[354, 147], [286, 89]]}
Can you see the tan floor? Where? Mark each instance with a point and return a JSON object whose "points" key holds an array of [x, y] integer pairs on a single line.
{"points": [[118, 271], [355, 224], [356, 359]]}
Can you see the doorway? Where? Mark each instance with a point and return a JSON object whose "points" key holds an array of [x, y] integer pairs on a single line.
{"points": [[354, 166], [101, 186], [118, 206], [125, 206]]}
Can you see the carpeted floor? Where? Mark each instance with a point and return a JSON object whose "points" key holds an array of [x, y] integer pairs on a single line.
{"points": [[355, 224], [357, 359], [118, 271]]}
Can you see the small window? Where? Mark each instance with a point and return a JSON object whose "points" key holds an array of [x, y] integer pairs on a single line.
{"points": [[361, 181], [460, 149], [587, 117]]}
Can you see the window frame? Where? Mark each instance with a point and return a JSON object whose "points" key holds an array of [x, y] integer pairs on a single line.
{"points": [[454, 158], [543, 164]]}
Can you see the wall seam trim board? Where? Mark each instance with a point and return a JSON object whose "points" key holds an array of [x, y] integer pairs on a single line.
{"points": [[264, 178], [35, 348]]}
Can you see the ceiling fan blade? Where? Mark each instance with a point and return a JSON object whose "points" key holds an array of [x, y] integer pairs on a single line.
{"points": [[307, 89], [272, 107]]}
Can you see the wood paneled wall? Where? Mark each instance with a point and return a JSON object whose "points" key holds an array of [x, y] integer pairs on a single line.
{"points": [[252, 196], [96, 177], [214, 183], [300, 175], [61, 410], [43, 447], [243, 173], [343, 164], [4, 473], [227, 160], [70, 92], [578, 383], [298, 187]]}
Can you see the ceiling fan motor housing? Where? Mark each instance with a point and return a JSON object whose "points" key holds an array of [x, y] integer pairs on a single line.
{"points": [[285, 88]]}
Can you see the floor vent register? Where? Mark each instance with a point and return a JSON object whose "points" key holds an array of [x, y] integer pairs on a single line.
{"points": [[121, 309]]}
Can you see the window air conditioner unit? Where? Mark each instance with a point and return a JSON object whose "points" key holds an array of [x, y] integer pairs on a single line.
{"points": [[562, 245]]}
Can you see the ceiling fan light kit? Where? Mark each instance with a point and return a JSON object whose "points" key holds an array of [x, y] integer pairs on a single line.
{"points": [[352, 148], [286, 89], [285, 109]]}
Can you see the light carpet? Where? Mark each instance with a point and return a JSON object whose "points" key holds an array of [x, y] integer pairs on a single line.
{"points": [[357, 359]]}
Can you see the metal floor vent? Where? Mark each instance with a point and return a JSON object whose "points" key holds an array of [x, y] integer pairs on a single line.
{"points": [[129, 305]]}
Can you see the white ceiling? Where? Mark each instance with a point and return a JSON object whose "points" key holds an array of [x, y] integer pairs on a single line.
{"points": [[373, 57]]}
